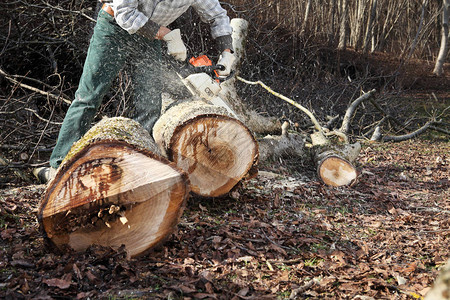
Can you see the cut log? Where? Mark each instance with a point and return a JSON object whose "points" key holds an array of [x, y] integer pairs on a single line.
{"points": [[113, 189], [334, 170], [441, 287], [214, 149], [335, 161]]}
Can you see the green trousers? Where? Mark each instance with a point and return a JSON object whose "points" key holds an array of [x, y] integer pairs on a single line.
{"points": [[109, 49]]}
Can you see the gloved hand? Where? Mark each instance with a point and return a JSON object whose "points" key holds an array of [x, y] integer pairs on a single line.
{"points": [[175, 45], [226, 59]]}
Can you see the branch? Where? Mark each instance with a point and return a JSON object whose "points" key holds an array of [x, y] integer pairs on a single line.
{"points": [[41, 118], [440, 129], [351, 110], [302, 108], [67, 10], [411, 135]]}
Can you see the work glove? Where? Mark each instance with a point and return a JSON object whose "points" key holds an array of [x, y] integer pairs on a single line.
{"points": [[226, 59], [175, 45]]}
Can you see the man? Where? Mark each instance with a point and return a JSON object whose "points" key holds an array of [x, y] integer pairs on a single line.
{"points": [[134, 30]]}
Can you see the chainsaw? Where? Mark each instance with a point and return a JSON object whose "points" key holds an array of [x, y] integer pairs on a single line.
{"points": [[202, 80]]}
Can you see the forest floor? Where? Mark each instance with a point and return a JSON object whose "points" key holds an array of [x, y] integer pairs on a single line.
{"points": [[280, 235]]}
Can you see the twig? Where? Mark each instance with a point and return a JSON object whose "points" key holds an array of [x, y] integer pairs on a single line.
{"points": [[40, 82], [431, 209], [439, 129], [412, 294], [45, 127], [432, 231], [48, 94], [22, 148], [387, 115], [299, 106], [331, 122], [67, 10], [7, 38], [41, 118], [288, 261]]}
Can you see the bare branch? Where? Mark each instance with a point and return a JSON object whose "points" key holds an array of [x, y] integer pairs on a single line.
{"points": [[411, 135], [290, 101], [41, 118], [440, 129], [352, 108]]}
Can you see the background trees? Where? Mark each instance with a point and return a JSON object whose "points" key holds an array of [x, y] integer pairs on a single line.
{"points": [[376, 25]]}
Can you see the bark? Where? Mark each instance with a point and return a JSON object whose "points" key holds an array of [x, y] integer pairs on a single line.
{"points": [[281, 146], [215, 149], [113, 189], [439, 66]]}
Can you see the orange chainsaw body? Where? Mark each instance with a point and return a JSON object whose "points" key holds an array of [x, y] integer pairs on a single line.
{"points": [[201, 61]]}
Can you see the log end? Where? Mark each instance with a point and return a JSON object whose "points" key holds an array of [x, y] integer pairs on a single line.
{"points": [[112, 194], [216, 152], [336, 171]]}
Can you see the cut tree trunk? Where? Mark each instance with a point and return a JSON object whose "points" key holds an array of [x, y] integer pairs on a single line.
{"points": [[113, 189], [213, 148], [334, 161]]}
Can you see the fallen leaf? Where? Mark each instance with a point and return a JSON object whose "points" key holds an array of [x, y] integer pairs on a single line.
{"points": [[63, 283], [204, 296], [187, 289], [243, 292]]}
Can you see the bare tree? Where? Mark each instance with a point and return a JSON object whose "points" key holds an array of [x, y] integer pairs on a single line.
{"points": [[370, 25], [305, 19], [343, 26], [439, 67], [357, 32]]}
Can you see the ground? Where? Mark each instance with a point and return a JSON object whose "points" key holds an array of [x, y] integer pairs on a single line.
{"points": [[280, 235]]}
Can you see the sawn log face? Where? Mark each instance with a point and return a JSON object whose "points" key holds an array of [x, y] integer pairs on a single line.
{"points": [[216, 150], [113, 193]]}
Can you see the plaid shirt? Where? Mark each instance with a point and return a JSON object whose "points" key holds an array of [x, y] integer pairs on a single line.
{"points": [[131, 15]]}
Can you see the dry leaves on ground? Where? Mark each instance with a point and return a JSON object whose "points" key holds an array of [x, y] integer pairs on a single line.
{"points": [[278, 236]]}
